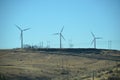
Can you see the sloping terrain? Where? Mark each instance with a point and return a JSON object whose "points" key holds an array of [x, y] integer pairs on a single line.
{"points": [[59, 65]]}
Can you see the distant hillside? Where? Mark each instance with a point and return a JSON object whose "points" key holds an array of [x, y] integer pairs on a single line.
{"points": [[71, 50], [103, 54], [59, 64]]}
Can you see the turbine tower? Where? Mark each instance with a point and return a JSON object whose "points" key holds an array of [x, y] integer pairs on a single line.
{"points": [[61, 36], [94, 40], [21, 35]]}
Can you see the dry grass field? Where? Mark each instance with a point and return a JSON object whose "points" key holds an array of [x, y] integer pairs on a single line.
{"points": [[30, 65]]}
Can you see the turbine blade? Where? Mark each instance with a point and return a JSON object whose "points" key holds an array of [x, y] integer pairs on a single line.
{"points": [[62, 29], [56, 34], [26, 29], [18, 27], [92, 41], [93, 34], [62, 36], [98, 37]]}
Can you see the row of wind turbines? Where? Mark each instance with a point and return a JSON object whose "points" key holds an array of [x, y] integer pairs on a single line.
{"points": [[59, 34]]}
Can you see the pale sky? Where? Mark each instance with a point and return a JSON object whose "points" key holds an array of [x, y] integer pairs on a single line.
{"points": [[45, 17]]}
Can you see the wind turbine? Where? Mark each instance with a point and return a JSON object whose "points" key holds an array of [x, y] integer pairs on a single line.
{"points": [[94, 39], [61, 36], [21, 35]]}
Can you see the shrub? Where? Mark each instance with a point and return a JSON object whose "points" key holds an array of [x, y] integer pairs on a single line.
{"points": [[2, 77], [114, 78]]}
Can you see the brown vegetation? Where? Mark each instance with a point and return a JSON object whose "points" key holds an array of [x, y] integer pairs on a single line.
{"points": [[36, 65]]}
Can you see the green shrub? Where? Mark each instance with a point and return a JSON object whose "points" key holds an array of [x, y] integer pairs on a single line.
{"points": [[2, 77], [114, 78]]}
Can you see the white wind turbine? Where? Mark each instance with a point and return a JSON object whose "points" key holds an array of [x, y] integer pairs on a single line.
{"points": [[94, 40], [21, 35], [61, 36]]}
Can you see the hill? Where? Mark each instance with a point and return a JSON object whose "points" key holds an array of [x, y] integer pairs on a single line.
{"points": [[59, 64]]}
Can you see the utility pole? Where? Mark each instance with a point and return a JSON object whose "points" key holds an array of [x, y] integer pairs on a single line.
{"points": [[48, 44], [41, 44], [70, 44], [117, 67], [109, 44], [93, 75]]}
